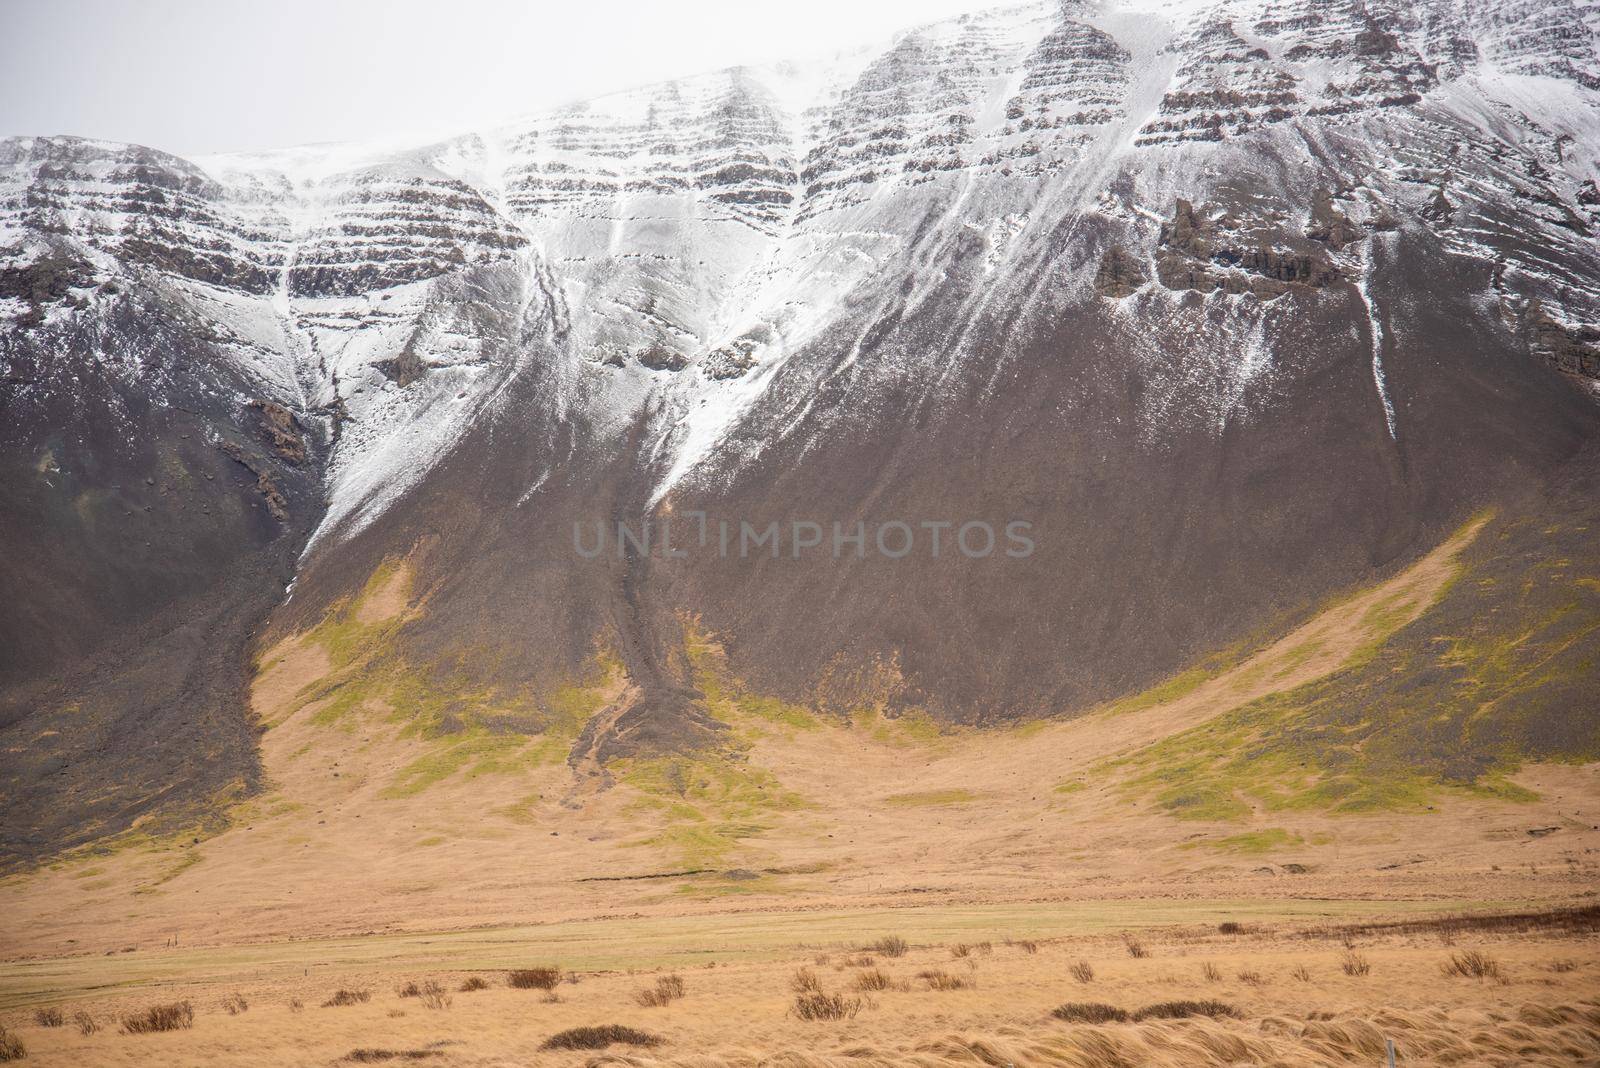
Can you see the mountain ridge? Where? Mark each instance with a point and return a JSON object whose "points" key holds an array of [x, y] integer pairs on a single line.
{"points": [[1238, 304]]}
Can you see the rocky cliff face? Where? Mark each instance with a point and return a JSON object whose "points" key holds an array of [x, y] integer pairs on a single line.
{"points": [[1233, 301]]}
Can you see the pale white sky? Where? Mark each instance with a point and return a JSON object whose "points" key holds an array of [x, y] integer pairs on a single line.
{"points": [[201, 76]]}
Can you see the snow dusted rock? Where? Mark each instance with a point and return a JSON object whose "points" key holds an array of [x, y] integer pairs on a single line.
{"points": [[1236, 299]]}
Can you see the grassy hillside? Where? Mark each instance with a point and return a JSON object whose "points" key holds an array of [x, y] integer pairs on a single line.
{"points": [[1503, 669]]}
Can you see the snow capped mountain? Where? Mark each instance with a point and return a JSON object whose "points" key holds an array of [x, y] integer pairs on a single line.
{"points": [[1236, 297]]}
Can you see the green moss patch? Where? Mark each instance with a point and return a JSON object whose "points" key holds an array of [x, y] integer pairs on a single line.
{"points": [[1504, 668]]}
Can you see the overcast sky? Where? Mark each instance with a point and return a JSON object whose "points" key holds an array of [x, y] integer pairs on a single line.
{"points": [[198, 76]]}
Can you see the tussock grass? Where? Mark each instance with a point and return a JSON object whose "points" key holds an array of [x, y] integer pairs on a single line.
{"points": [[48, 1017], [342, 998], [805, 981], [1183, 1009], [599, 1037], [960, 950], [234, 1004], [1211, 972], [410, 990], [1229, 927], [668, 988], [11, 1047], [434, 996], [890, 946], [942, 980], [85, 1023], [820, 1006], [474, 982], [874, 979], [296, 1005], [542, 978], [1355, 964], [1251, 978], [1471, 965], [374, 1056], [1027, 946], [172, 1016], [1092, 1012], [1580, 921], [1301, 973], [1082, 971], [1136, 948]]}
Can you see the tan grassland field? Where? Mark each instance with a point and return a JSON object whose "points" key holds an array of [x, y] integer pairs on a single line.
{"points": [[1026, 869]]}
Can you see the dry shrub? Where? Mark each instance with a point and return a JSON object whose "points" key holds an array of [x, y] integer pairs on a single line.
{"points": [[173, 1016], [1249, 978], [1559, 966], [1354, 964], [11, 1047], [1471, 965], [410, 990], [1583, 920], [545, 978], [820, 1006], [234, 1004], [1027, 946], [942, 980], [960, 949], [1230, 927], [474, 982], [984, 948], [48, 1017], [296, 1005], [861, 960], [1092, 1012], [86, 1024], [874, 979], [1302, 973], [434, 996], [1211, 972], [1136, 948], [805, 982], [372, 1056], [600, 1037], [1183, 1009], [1082, 972], [342, 997], [890, 946], [668, 988]]}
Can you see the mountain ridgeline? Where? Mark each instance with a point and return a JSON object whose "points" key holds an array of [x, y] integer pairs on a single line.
{"points": [[1236, 305]]}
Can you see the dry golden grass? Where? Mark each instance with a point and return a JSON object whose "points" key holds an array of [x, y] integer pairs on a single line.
{"points": [[775, 904], [1155, 1011], [516, 840]]}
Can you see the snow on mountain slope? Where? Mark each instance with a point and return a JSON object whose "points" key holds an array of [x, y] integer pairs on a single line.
{"points": [[675, 245]]}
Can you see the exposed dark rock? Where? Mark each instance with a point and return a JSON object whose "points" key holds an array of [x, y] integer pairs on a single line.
{"points": [[731, 360], [277, 504], [281, 430], [1573, 352], [1203, 254], [659, 357], [403, 369], [1330, 225], [45, 281], [1120, 274], [1439, 208]]}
